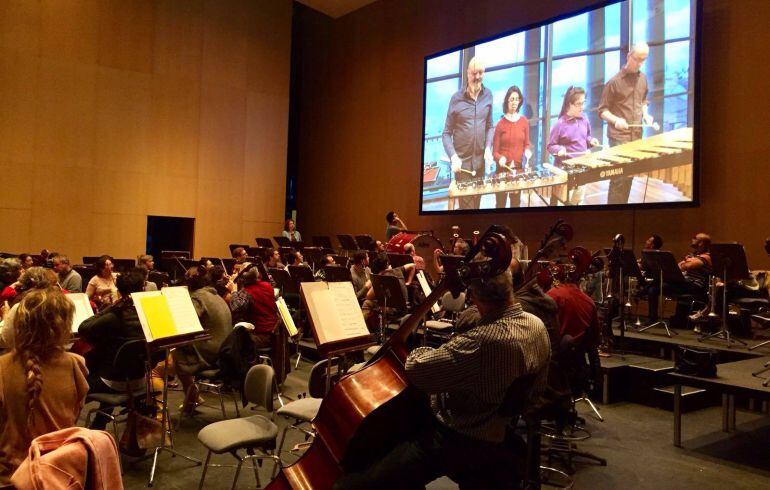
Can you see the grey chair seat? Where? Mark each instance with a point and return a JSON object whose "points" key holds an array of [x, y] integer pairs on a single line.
{"points": [[437, 325], [226, 435], [207, 374], [304, 409], [113, 398]]}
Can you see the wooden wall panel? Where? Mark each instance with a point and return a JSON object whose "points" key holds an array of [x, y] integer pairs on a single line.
{"points": [[65, 114], [361, 79], [69, 30], [122, 122], [18, 93], [20, 26], [112, 110]]}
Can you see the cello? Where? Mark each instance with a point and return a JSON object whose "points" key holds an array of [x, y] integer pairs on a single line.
{"points": [[371, 410]]}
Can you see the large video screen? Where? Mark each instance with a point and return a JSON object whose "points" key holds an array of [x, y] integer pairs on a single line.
{"points": [[597, 108]]}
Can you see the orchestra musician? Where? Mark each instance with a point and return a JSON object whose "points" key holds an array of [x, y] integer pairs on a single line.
{"points": [[624, 106], [459, 247], [467, 379], [696, 268], [395, 225], [419, 262], [570, 137], [290, 231], [510, 144], [468, 131]]}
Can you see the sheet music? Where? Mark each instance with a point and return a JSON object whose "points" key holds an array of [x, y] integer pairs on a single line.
{"points": [[286, 317], [83, 310], [334, 310], [350, 316], [182, 309], [426, 290]]}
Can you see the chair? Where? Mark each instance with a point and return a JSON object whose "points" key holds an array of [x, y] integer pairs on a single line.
{"points": [[256, 435], [451, 307], [575, 373], [209, 381], [304, 410], [132, 353]]}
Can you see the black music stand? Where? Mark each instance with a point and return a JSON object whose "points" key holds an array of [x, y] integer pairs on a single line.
{"points": [[283, 281], [628, 267], [122, 265], [348, 243], [300, 274], [729, 262], [337, 273], [388, 292], [255, 252], [314, 256], [233, 246], [282, 241], [264, 242], [666, 269], [322, 242], [397, 260], [365, 242], [341, 260]]}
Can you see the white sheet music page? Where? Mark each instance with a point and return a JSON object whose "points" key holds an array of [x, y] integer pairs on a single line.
{"points": [[83, 310], [182, 309], [346, 304]]}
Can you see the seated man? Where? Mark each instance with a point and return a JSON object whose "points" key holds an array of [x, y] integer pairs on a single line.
{"points": [[696, 268], [361, 274], [69, 279], [381, 265], [460, 248], [578, 317], [419, 262], [468, 379]]}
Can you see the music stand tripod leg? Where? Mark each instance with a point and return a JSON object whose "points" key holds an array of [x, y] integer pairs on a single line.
{"points": [[761, 344], [669, 332]]}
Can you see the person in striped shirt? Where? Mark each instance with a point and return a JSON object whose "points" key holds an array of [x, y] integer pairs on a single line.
{"points": [[467, 380]]}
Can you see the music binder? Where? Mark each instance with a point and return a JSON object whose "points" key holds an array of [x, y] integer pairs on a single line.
{"points": [[286, 318], [167, 315], [83, 310], [335, 317]]}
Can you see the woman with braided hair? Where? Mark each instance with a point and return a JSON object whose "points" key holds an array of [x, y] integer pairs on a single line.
{"points": [[42, 387]]}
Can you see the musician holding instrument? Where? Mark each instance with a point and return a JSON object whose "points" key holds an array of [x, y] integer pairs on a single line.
{"points": [[570, 137], [468, 379], [468, 131], [510, 144], [290, 231], [624, 106]]}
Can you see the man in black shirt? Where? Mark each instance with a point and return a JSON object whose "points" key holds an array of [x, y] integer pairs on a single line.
{"points": [[468, 131]]}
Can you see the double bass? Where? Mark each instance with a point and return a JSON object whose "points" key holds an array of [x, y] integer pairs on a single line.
{"points": [[370, 411]]}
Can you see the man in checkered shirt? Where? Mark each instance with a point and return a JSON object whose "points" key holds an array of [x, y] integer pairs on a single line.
{"points": [[467, 379]]}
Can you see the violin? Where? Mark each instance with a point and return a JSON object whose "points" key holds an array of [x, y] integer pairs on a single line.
{"points": [[370, 411]]}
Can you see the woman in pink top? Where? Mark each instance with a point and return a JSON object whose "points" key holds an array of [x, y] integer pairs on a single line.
{"points": [[511, 145], [42, 387], [101, 288]]}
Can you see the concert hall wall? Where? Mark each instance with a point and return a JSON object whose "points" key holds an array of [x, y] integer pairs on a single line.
{"points": [[112, 110], [360, 84]]}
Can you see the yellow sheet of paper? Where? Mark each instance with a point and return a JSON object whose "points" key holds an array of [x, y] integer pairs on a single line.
{"points": [[159, 317]]}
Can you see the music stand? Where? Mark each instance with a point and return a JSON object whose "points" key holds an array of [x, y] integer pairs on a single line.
{"points": [[323, 242], [388, 292], [397, 260], [348, 243], [233, 246], [337, 273], [314, 255], [255, 252], [283, 280], [282, 241], [122, 265], [667, 270], [365, 242], [628, 267], [341, 260], [264, 242], [729, 261], [300, 274]]}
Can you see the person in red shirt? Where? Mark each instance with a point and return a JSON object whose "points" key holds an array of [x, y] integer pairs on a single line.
{"points": [[511, 146], [577, 314]]}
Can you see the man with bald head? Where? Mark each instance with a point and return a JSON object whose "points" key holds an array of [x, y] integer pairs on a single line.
{"points": [[696, 269], [468, 130], [624, 107]]}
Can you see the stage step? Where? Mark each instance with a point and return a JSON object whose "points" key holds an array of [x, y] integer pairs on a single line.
{"points": [[692, 398]]}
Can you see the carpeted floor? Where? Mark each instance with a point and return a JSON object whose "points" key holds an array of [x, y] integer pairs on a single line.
{"points": [[636, 441]]}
